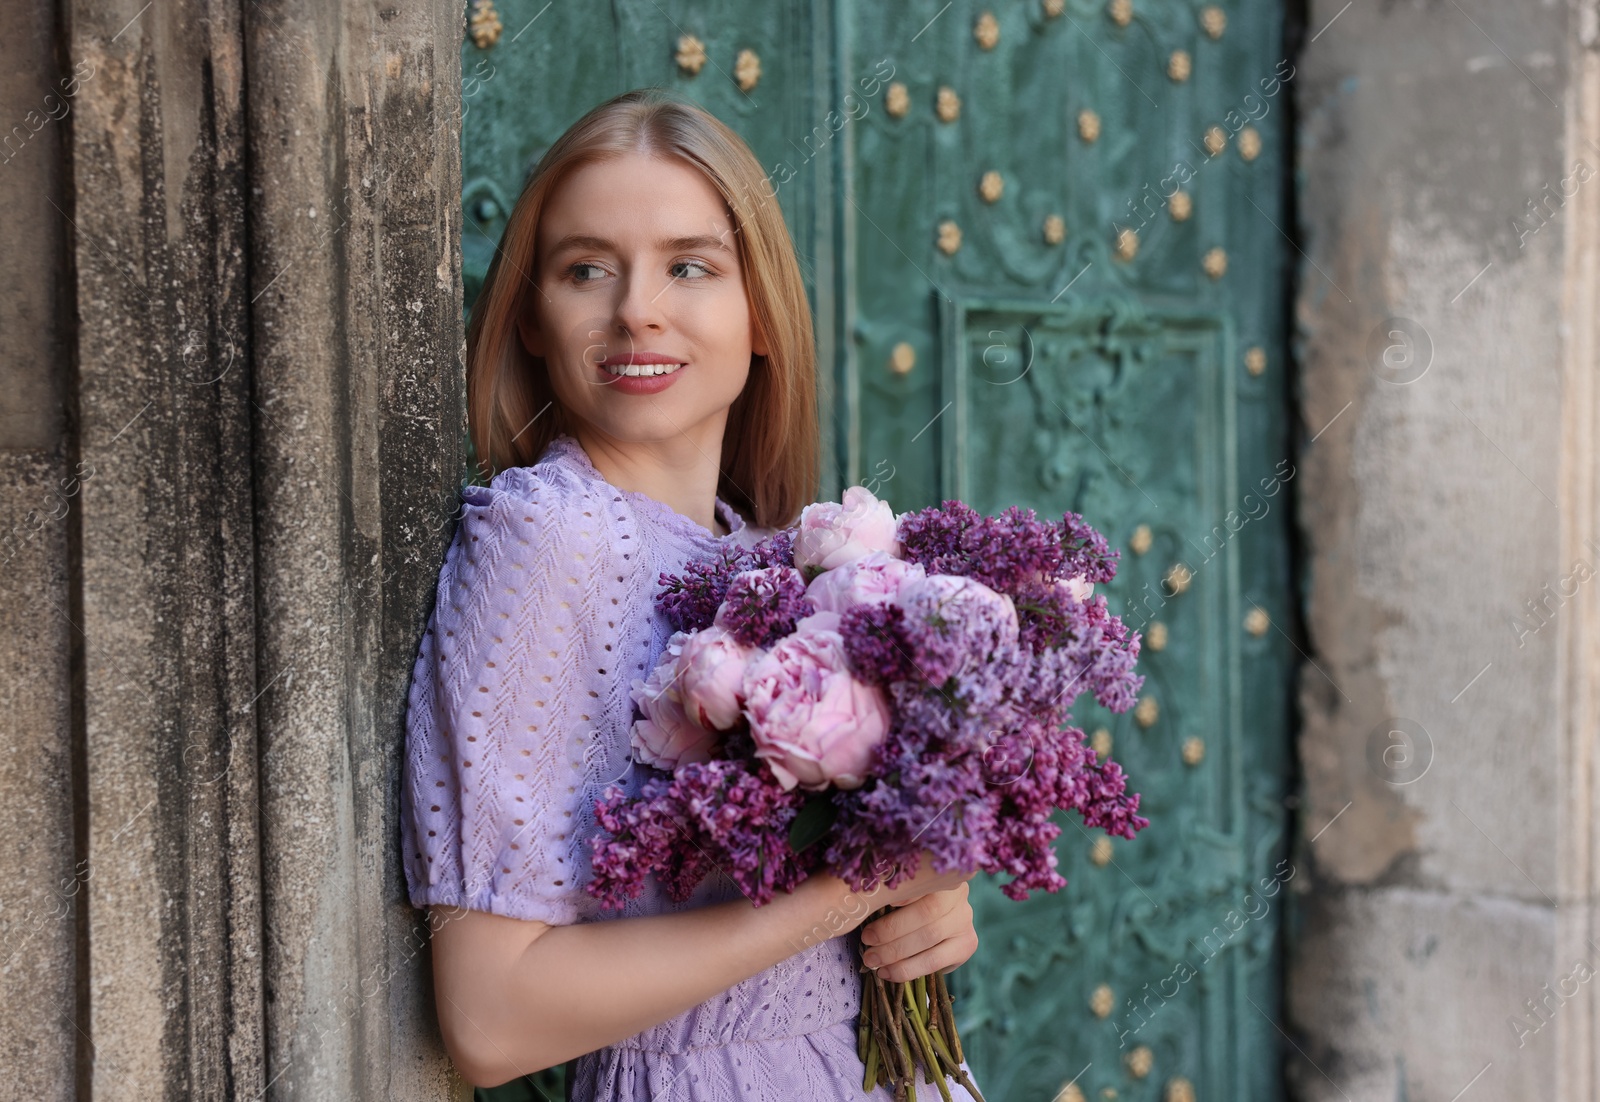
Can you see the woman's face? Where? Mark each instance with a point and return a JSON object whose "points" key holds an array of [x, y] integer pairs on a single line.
{"points": [[637, 256]]}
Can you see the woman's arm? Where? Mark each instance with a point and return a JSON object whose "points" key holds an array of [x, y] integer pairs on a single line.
{"points": [[516, 996]]}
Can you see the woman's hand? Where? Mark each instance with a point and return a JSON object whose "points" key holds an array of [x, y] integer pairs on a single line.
{"points": [[932, 933]]}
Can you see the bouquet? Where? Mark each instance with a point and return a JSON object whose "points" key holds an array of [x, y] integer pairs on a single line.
{"points": [[862, 687]]}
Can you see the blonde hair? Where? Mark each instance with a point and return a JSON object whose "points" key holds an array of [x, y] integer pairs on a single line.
{"points": [[770, 449]]}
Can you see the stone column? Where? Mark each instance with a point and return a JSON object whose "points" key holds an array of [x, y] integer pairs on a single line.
{"points": [[39, 500], [1449, 171], [245, 388]]}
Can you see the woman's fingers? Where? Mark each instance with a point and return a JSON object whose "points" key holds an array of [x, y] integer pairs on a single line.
{"points": [[948, 954], [906, 917], [915, 912], [909, 944], [933, 933]]}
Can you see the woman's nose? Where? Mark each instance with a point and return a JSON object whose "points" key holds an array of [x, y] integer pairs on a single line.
{"points": [[639, 307]]}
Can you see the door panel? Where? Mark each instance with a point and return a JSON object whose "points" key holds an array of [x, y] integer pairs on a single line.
{"points": [[552, 62], [1127, 362], [1136, 378], [1127, 417]]}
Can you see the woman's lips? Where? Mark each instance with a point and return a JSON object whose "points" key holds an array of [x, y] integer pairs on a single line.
{"points": [[638, 384]]}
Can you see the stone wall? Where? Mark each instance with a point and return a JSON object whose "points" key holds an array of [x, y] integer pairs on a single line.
{"points": [[1449, 188], [37, 933], [231, 436], [231, 429]]}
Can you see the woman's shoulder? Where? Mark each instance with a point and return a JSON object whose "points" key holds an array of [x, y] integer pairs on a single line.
{"points": [[546, 494], [536, 532]]}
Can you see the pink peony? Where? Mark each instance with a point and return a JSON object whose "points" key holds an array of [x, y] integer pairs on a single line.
{"points": [[812, 722], [823, 621], [1079, 588], [831, 534], [667, 735], [986, 617], [875, 578], [711, 677]]}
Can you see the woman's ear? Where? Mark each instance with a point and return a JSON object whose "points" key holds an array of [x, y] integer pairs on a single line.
{"points": [[758, 339], [528, 330]]}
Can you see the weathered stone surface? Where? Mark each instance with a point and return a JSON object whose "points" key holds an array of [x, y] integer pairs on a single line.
{"points": [[1419, 991], [43, 882], [165, 565], [359, 441], [1436, 505], [264, 433]]}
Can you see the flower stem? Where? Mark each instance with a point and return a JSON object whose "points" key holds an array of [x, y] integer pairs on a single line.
{"points": [[947, 1015], [871, 1079], [904, 1025], [896, 1055], [933, 1071]]}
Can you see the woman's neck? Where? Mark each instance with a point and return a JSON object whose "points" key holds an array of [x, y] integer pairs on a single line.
{"points": [[677, 473]]}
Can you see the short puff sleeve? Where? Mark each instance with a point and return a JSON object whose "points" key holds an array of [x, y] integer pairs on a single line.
{"points": [[517, 715]]}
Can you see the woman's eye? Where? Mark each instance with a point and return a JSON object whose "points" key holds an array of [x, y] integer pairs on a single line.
{"points": [[704, 270], [576, 269]]}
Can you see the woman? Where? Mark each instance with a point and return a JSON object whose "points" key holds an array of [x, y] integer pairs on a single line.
{"points": [[641, 377]]}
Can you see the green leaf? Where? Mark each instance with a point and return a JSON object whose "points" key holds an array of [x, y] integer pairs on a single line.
{"points": [[812, 821]]}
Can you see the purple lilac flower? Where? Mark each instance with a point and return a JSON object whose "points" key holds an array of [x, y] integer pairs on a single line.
{"points": [[761, 606], [955, 623], [776, 550], [691, 600], [1006, 551], [1085, 551], [725, 814], [979, 755], [1001, 552], [878, 643]]}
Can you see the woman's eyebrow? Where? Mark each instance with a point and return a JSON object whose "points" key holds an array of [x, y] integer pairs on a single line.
{"points": [[669, 244]]}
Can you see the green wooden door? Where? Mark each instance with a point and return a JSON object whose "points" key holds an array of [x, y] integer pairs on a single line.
{"points": [[1042, 245]]}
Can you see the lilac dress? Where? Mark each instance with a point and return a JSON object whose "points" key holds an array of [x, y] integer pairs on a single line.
{"points": [[519, 717]]}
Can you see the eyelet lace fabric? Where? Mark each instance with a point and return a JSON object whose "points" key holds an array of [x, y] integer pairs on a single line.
{"points": [[518, 720]]}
